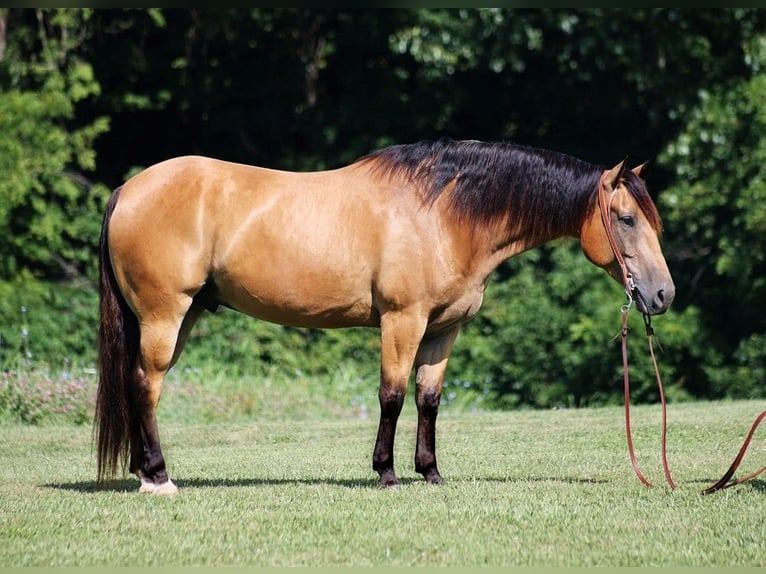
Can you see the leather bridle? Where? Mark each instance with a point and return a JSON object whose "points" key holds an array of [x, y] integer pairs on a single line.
{"points": [[605, 199]]}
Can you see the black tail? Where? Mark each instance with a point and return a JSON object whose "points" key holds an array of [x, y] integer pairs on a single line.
{"points": [[117, 354]]}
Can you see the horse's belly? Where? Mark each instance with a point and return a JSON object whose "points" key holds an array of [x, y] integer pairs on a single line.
{"points": [[318, 300]]}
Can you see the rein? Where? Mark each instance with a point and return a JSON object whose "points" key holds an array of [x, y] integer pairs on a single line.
{"points": [[605, 204]]}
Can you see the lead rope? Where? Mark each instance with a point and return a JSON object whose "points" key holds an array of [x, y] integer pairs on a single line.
{"points": [[626, 385], [664, 448], [724, 481]]}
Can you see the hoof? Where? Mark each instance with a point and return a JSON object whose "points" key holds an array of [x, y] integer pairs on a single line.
{"points": [[389, 481], [166, 488], [149, 487], [434, 478]]}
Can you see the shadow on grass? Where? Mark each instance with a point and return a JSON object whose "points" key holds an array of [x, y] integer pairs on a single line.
{"points": [[90, 486], [131, 485]]}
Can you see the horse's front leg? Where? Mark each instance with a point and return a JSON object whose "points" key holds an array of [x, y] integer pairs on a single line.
{"points": [[430, 365], [401, 333]]}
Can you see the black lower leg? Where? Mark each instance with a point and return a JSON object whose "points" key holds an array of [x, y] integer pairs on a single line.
{"points": [[383, 455], [146, 458], [137, 442], [425, 453], [137, 448], [153, 467]]}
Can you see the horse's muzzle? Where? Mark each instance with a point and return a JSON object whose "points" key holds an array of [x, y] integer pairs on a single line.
{"points": [[654, 301]]}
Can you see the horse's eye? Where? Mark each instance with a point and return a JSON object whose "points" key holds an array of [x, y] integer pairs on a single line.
{"points": [[628, 220]]}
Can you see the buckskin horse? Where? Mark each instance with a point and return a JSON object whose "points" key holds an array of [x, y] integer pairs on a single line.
{"points": [[404, 239]]}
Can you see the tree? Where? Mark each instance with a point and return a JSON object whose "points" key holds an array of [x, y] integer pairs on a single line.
{"points": [[717, 227], [48, 207]]}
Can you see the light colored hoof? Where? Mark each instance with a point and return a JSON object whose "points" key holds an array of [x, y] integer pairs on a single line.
{"points": [[148, 487], [166, 488]]}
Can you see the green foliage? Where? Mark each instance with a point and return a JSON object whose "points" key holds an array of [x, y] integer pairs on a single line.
{"points": [[565, 78], [717, 227], [53, 326], [242, 346], [742, 377], [49, 211], [51, 216]]}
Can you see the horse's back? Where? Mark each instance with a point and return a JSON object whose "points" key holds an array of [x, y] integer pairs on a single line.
{"points": [[191, 181]]}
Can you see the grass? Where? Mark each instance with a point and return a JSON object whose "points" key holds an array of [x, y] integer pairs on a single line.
{"points": [[535, 488]]}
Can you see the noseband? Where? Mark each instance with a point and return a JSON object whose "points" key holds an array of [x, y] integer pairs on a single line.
{"points": [[605, 204]]}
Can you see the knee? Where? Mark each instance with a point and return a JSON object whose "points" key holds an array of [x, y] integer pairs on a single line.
{"points": [[391, 400], [428, 402]]}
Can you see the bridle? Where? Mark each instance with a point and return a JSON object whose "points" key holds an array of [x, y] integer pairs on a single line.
{"points": [[605, 199]]}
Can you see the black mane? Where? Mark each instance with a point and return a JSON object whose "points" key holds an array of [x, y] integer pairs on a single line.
{"points": [[546, 192]]}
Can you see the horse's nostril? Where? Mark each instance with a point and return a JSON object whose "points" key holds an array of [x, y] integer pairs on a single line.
{"points": [[661, 295]]}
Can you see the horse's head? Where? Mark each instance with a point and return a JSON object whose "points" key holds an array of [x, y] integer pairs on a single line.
{"points": [[635, 226]]}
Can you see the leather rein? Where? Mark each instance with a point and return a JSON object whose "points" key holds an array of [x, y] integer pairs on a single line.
{"points": [[605, 204]]}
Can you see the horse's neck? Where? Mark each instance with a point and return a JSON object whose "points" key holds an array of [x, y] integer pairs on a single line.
{"points": [[506, 239]]}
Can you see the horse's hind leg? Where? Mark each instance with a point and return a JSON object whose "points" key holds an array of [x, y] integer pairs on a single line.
{"points": [[161, 343], [430, 365]]}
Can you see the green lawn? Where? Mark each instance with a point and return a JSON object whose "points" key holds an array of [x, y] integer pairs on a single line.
{"points": [[540, 488]]}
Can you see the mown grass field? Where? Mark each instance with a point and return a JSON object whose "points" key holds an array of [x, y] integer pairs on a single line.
{"points": [[536, 488]]}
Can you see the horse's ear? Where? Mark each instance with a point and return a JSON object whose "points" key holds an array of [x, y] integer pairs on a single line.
{"points": [[641, 169], [613, 175]]}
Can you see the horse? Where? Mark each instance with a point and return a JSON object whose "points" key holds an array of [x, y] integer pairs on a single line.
{"points": [[404, 239]]}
